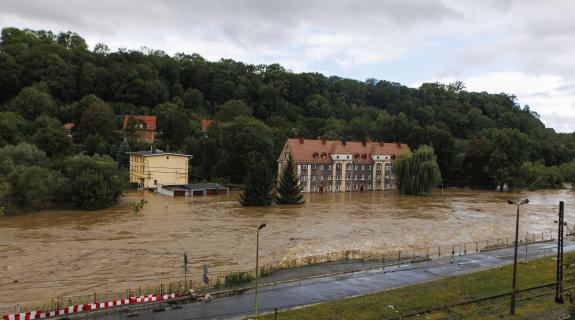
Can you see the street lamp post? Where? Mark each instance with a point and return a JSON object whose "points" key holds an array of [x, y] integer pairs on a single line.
{"points": [[263, 225], [514, 281]]}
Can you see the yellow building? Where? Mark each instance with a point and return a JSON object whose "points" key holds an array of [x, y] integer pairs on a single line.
{"points": [[152, 168]]}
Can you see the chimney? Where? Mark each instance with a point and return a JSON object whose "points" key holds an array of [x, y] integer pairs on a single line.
{"points": [[323, 141], [381, 143], [301, 140], [364, 143]]}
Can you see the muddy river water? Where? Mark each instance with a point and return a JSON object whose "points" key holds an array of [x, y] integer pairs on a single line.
{"points": [[62, 253]]}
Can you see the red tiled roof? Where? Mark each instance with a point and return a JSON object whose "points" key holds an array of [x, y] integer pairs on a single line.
{"points": [[319, 151], [150, 121], [68, 126]]}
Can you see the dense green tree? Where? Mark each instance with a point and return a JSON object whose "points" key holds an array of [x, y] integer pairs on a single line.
{"points": [[194, 100], [417, 173], [510, 151], [91, 190], [232, 109], [35, 188], [31, 102], [13, 128], [258, 185], [53, 140], [289, 187], [98, 120]]}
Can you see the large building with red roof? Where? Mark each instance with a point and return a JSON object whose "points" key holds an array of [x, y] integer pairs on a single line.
{"points": [[335, 166], [145, 127]]}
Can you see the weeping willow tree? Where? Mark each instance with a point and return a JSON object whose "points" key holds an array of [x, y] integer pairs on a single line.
{"points": [[417, 173]]}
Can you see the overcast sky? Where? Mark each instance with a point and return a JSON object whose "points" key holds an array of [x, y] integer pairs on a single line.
{"points": [[525, 48]]}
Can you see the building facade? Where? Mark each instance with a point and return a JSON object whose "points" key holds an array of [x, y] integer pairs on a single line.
{"points": [[145, 127], [152, 168], [338, 166]]}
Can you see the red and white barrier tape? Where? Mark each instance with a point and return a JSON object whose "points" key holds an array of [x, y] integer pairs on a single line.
{"points": [[87, 307]]}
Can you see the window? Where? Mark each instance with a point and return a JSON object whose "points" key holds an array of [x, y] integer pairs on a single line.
{"points": [[304, 188], [312, 188], [378, 166], [320, 178], [369, 177], [378, 176], [355, 187], [369, 167], [347, 187], [304, 166], [321, 167], [347, 176], [356, 167], [348, 166], [355, 177], [387, 167], [338, 188], [362, 177], [329, 177], [369, 186], [329, 167], [313, 166], [386, 186], [155, 182], [302, 178], [312, 178], [329, 188], [363, 167], [338, 166], [338, 177]]}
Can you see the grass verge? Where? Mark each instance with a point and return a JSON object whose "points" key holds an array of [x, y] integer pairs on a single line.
{"points": [[407, 302]]}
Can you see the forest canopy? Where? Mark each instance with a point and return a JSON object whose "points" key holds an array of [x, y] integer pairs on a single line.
{"points": [[48, 79]]}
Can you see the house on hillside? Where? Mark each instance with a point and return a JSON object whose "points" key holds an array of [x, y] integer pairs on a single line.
{"points": [[68, 128], [145, 127], [206, 123], [155, 167], [334, 166]]}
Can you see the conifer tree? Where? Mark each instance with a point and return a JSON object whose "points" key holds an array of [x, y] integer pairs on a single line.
{"points": [[259, 185], [289, 187], [122, 157]]}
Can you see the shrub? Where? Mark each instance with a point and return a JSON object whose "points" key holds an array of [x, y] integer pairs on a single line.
{"points": [[238, 278]]}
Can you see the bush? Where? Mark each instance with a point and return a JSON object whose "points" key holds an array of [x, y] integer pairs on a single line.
{"points": [[238, 278]]}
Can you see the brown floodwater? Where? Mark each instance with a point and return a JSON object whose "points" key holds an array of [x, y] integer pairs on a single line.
{"points": [[64, 253]]}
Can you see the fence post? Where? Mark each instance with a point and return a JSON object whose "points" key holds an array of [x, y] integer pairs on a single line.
{"points": [[427, 253], [465, 248], [476, 246], [161, 289], [507, 240], [439, 251], [95, 298]]}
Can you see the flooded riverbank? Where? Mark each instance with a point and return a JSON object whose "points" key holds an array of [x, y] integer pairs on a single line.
{"points": [[63, 253]]}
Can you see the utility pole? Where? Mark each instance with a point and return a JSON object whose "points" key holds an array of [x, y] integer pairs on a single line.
{"points": [[559, 286]]}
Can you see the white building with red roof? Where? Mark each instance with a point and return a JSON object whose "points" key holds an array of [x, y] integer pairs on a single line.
{"points": [[334, 166]]}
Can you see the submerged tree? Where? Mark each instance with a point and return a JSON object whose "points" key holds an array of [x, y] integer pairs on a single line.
{"points": [[258, 185], [417, 173], [289, 187]]}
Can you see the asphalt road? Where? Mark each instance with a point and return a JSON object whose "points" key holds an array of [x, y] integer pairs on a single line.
{"points": [[324, 289]]}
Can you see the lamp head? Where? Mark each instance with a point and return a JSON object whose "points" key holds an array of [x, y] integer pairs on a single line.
{"points": [[525, 201], [263, 225], [510, 201]]}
